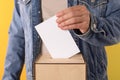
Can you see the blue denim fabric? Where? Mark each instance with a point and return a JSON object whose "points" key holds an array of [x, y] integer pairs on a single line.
{"points": [[24, 42]]}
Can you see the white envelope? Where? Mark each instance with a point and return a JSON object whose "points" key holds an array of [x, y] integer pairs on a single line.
{"points": [[59, 43]]}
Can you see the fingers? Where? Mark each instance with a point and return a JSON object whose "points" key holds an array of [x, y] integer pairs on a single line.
{"points": [[70, 15], [76, 17], [70, 9], [73, 20], [73, 26], [79, 26]]}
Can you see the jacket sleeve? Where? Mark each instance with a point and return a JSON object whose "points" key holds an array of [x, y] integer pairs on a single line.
{"points": [[104, 31], [16, 52]]}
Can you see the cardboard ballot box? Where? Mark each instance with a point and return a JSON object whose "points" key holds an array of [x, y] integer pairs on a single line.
{"points": [[47, 68]]}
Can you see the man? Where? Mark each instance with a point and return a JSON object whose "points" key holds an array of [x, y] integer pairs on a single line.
{"points": [[92, 23]]}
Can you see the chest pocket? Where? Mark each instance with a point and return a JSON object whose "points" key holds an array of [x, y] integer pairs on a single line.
{"points": [[25, 11], [24, 6], [96, 7]]}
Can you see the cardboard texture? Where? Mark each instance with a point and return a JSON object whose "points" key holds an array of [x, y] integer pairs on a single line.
{"points": [[73, 68]]}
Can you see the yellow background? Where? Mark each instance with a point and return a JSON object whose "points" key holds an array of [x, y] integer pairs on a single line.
{"points": [[6, 8]]}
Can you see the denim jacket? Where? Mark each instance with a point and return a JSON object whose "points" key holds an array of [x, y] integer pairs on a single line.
{"points": [[25, 43]]}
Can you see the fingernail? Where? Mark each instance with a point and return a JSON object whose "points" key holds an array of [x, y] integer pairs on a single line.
{"points": [[58, 20], [64, 28], [59, 25]]}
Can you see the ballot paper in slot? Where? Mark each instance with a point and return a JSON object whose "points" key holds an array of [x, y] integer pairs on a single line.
{"points": [[59, 43]]}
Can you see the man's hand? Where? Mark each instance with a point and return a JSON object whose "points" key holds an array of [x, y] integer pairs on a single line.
{"points": [[76, 17]]}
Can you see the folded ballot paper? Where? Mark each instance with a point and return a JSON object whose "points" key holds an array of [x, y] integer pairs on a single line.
{"points": [[59, 43]]}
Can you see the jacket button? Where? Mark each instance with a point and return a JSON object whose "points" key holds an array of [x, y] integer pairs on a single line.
{"points": [[38, 37], [94, 26], [39, 12]]}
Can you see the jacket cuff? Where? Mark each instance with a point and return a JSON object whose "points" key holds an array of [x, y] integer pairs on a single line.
{"points": [[90, 31]]}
